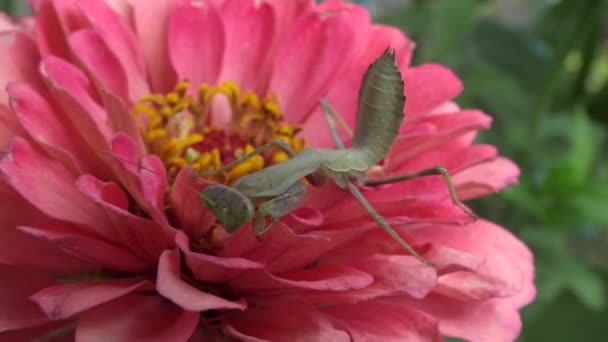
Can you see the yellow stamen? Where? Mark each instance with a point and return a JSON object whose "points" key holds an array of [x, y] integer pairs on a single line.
{"points": [[174, 127]]}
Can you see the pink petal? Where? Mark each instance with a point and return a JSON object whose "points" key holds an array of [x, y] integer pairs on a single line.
{"points": [[124, 161], [307, 61], [453, 159], [190, 214], [58, 331], [341, 96], [19, 249], [121, 40], [153, 181], [506, 272], [428, 86], [328, 278], [15, 288], [136, 317], [398, 211], [63, 301], [144, 237], [493, 320], [196, 43], [92, 251], [49, 31], [22, 249], [170, 285], [9, 127], [486, 178], [151, 22], [392, 274], [286, 12], [296, 322], [210, 268], [69, 16], [282, 249], [304, 216], [72, 90], [448, 260], [101, 62], [18, 61], [444, 128], [47, 127], [249, 35], [382, 321], [121, 119], [383, 36], [50, 188]]}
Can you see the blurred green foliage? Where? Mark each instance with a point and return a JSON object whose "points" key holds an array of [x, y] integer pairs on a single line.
{"points": [[541, 69]]}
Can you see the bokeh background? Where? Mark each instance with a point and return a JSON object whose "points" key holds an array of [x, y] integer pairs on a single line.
{"points": [[540, 68]]}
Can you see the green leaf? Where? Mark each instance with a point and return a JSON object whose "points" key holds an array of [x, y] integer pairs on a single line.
{"points": [[519, 53]]}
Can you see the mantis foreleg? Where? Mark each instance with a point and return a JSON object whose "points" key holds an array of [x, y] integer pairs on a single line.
{"points": [[436, 170], [278, 206], [383, 224]]}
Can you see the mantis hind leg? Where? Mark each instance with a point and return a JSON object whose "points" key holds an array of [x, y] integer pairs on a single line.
{"points": [[278, 207], [436, 170], [331, 114], [383, 224]]}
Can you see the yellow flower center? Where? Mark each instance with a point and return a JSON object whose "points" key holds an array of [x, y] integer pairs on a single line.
{"points": [[177, 127]]}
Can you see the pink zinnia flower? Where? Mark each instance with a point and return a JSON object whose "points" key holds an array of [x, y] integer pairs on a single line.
{"points": [[94, 247]]}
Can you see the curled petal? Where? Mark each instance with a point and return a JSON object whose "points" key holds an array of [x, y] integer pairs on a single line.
{"points": [[63, 301], [171, 286], [137, 317]]}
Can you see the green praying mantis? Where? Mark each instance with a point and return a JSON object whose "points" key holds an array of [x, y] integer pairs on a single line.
{"points": [[278, 189]]}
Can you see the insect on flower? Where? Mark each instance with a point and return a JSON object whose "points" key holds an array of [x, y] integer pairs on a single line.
{"points": [[278, 188]]}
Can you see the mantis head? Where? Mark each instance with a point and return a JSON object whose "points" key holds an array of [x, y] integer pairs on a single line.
{"points": [[230, 207]]}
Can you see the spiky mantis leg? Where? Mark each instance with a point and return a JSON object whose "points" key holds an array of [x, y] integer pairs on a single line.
{"points": [[278, 207], [383, 224], [436, 170]]}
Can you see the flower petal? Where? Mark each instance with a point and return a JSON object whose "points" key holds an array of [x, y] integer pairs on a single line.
{"points": [[171, 286], [486, 178], [102, 64], [427, 86], [249, 36], [382, 321], [145, 238], [210, 268], [296, 322], [307, 61], [392, 274], [494, 320], [135, 317], [46, 127], [15, 288], [191, 216], [500, 276], [49, 29], [151, 22], [121, 40], [196, 42], [50, 188], [18, 61], [65, 300], [93, 251], [71, 88]]}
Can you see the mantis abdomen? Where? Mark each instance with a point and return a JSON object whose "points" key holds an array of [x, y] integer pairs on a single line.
{"points": [[380, 108]]}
